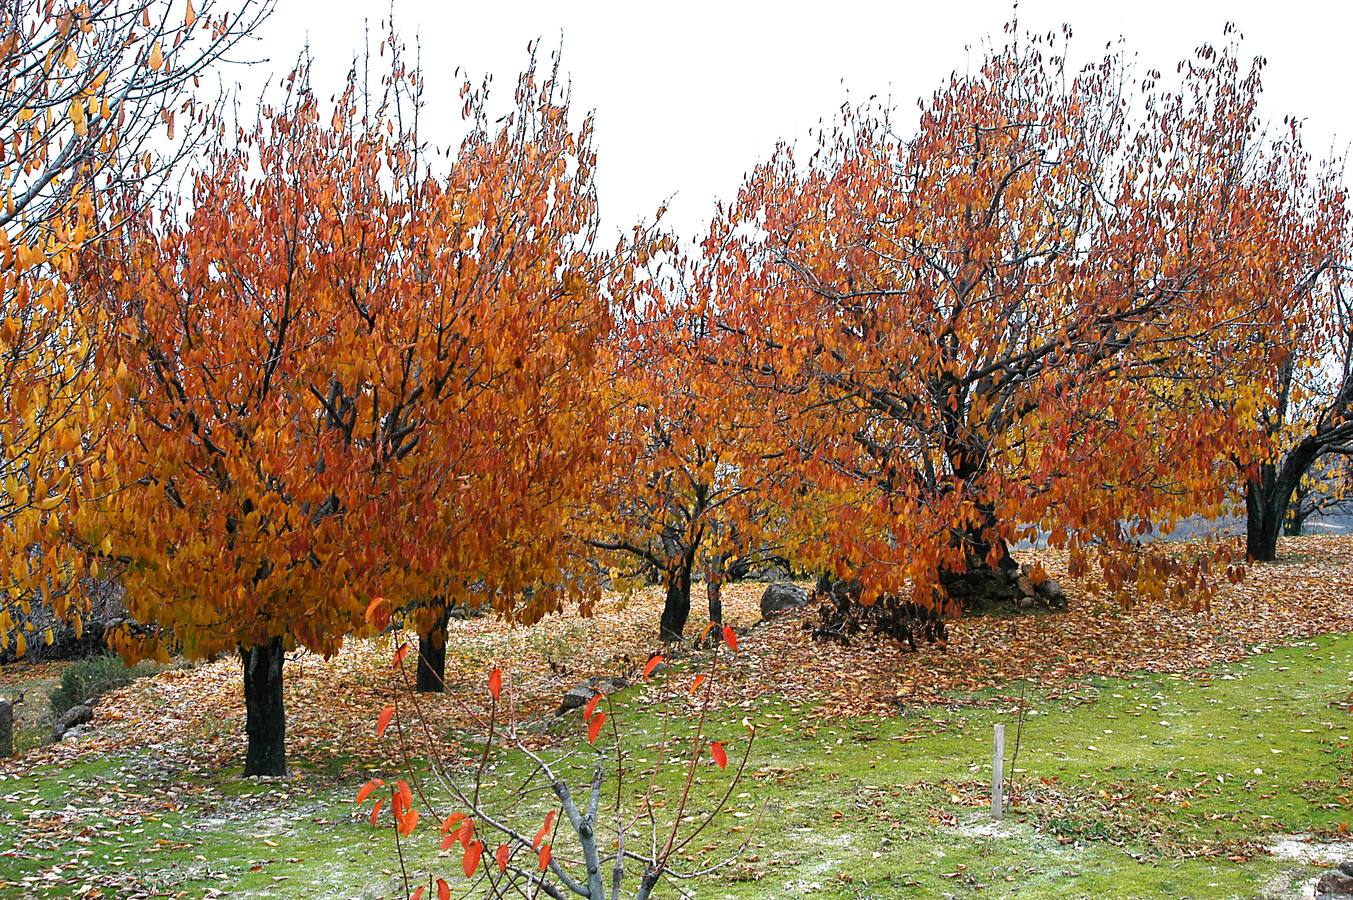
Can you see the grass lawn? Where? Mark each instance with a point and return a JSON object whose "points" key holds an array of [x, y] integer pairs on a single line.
{"points": [[1157, 785]]}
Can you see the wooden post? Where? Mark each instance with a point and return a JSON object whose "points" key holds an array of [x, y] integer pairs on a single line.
{"points": [[997, 762]]}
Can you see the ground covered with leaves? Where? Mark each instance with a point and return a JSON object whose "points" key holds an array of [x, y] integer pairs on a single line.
{"points": [[1162, 752]]}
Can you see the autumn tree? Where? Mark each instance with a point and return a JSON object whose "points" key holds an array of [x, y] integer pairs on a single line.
{"points": [[683, 494], [1305, 422], [346, 375], [991, 330], [89, 97]]}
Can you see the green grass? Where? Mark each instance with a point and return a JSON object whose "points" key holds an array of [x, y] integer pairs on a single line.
{"points": [[1151, 786]]}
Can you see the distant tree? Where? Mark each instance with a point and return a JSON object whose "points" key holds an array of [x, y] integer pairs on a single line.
{"points": [[686, 481], [993, 330], [1305, 419], [93, 100]]}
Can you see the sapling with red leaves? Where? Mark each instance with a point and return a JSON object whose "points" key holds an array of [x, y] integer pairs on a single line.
{"points": [[571, 851]]}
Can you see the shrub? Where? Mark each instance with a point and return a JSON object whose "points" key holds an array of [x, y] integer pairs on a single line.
{"points": [[88, 678]]}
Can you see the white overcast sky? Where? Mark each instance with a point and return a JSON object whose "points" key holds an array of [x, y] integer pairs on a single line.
{"points": [[690, 95]]}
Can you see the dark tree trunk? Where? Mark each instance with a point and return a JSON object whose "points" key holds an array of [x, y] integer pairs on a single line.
{"points": [[431, 677], [678, 606], [1268, 496], [980, 584], [265, 716], [1264, 514], [715, 590]]}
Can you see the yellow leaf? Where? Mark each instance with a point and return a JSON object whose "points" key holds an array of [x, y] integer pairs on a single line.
{"points": [[190, 16], [156, 57], [69, 59]]}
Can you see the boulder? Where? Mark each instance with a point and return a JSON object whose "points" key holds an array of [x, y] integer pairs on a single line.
{"points": [[6, 729], [1052, 592], [578, 695], [1334, 883], [780, 596], [76, 715], [1026, 586]]}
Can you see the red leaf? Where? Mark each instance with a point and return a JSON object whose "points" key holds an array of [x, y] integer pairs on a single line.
{"points": [[503, 853], [592, 706], [495, 683], [451, 820], [376, 810], [544, 829], [402, 652], [465, 832], [652, 664], [443, 889], [720, 755], [448, 841], [730, 638], [544, 857], [408, 822], [418, 894], [595, 728], [367, 789], [470, 861], [383, 721], [695, 685]]}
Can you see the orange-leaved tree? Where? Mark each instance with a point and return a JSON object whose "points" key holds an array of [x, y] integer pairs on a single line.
{"points": [[345, 375], [87, 90], [684, 488], [1305, 418], [994, 329]]}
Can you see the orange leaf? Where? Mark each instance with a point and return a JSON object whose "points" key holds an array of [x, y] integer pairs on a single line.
{"points": [[495, 683], [401, 653], [720, 755], [448, 841], [465, 832], [544, 857], [451, 820], [383, 721], [408, 822], [544, 829], [503, 853], [418, 894], [376, 810], [367, 789], [378, 613], [730, 638], [652, 664], [470, 861], [443, 889], [592, 706], [595, 728], [695, 685]]}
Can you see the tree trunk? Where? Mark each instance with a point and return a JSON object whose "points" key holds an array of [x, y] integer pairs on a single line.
{"points": [[678, 606], [431, 676], [265, 716], [980, 584], [715, 590]]}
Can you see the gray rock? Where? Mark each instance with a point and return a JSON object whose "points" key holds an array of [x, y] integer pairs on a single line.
{"points": [[73, 734], [577, 696], [76, 715], [6, 729], [1334, 883], [1051, 591], [1026, 586], [1346, 867], [780, 596]]}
